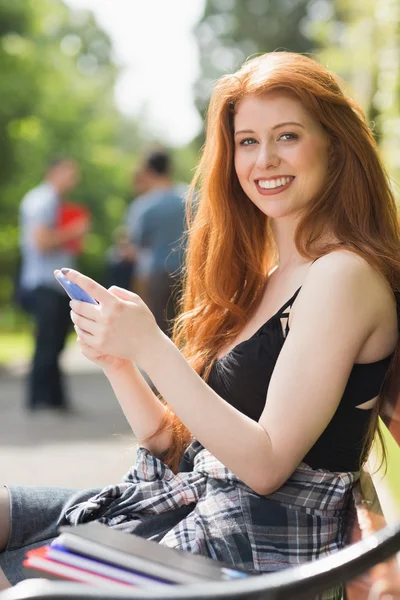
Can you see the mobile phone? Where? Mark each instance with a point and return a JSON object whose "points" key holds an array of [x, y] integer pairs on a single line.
{"points": [[74, 291]]}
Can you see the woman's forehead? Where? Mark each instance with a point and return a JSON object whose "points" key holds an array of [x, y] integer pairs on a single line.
{"points": [[271, 108], [271, 102]]}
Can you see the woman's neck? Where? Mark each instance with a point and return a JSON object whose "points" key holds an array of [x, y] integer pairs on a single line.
{"points": [[284, 232]]}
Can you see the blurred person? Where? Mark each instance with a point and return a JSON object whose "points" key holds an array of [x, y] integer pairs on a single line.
{"points": [[51, 231], [140, 181], [120, 261], [155, 222]]}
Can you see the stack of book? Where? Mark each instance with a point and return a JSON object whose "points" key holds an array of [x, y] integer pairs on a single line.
{"points": [[96, 554]]}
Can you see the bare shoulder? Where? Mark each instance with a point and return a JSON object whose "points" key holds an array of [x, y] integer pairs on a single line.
{"points": [[346, 287], [344, 263], [349, 273]]}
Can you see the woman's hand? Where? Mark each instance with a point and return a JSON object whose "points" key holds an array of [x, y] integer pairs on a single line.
{"points": [[120, 327], [107, 362]]}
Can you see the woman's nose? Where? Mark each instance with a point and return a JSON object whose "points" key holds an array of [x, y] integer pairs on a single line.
{"points": [[267, 156]]}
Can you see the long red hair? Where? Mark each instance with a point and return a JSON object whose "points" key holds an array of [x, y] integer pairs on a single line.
{"points": [[230, 247]]}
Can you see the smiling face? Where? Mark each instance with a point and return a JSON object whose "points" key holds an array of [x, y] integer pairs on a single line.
{"points": [[281, 153]]}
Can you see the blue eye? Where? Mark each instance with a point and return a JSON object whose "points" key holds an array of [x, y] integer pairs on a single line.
{"points": [[247, 142], [288, 137]]}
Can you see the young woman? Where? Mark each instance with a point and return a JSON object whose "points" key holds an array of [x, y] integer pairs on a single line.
{"points": [[288, 329]]}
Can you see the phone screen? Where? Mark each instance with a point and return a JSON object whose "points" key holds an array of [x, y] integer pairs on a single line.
{"points": [[74, 291]]}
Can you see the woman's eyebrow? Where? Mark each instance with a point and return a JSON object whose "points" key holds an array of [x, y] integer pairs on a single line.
{"points": [[244, 131], [288, 123], [274, 127]]}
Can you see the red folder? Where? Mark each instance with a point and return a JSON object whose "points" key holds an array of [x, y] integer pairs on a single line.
{"points": [[68, 213]]}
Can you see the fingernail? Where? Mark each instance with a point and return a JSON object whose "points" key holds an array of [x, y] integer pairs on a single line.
{"points": [[64, 271]]}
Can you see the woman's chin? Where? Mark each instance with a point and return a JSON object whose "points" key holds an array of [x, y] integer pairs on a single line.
{"points": [[276, 212]]}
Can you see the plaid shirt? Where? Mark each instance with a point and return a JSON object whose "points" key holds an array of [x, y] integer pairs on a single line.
{"points": [[209, 511]]}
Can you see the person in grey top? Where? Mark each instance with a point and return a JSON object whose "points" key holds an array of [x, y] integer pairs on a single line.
{"points": [[46, 246], [155, 222]]}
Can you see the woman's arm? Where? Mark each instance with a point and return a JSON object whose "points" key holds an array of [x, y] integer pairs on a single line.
{"points": [[143, 410], [338, 309]]}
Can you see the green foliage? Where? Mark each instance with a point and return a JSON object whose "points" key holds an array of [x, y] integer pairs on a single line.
{"points": [[233, 30], [361, 43]]}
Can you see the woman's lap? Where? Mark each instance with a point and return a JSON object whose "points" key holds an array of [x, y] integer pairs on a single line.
{"points": [[35, 515]]}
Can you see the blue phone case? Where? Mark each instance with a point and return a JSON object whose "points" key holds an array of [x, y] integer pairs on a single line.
{"points": [[74, 291]]}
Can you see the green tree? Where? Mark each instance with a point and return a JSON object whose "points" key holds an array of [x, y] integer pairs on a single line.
{"points": [[233, 30], [361, 42], [57, 80]]}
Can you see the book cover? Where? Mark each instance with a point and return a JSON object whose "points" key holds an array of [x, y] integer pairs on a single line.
{"points": [[138, 554], [62, 555], [36, 561]]}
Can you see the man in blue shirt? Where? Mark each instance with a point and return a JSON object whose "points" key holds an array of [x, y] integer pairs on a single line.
{"points": [[155, 222], [44, 248]]}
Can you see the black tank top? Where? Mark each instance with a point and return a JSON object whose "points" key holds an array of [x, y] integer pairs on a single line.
{"points": [[243, 375]]}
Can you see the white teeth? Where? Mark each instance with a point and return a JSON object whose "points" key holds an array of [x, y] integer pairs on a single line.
{"points": [[274, 183]]}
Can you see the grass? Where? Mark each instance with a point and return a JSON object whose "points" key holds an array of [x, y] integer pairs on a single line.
{"points": [[15, 346], [393, 470]]}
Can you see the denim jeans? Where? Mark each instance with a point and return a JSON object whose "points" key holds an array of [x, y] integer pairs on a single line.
{"points": [[35, 515]]}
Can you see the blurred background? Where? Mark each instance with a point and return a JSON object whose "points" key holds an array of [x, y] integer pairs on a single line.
{"points": [[102, 81]]}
